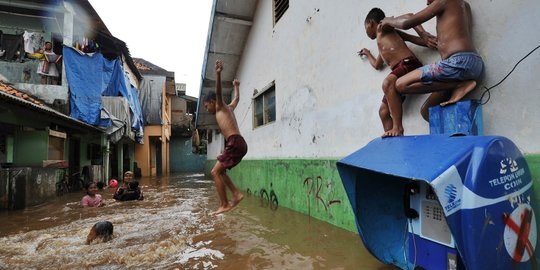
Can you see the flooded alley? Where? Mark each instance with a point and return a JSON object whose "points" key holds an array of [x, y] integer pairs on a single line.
{"points": [[173, 229]]}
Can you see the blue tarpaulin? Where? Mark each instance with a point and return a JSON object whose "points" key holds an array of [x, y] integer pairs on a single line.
{"points": [[87, 76], [482, 183], [91, 76]]}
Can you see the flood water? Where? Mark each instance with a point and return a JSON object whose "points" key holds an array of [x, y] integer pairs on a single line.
{"points": [[173, 229]]}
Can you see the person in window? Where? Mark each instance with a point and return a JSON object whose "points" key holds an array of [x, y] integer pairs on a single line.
{"points": [[48, 66], [130, 190]]}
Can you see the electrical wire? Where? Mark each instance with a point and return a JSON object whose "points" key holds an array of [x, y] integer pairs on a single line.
{"points": [[414, 243], [487, 89], [405, 244], [245, 114], [408, 224]]}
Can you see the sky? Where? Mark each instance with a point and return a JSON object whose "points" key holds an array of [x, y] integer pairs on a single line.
{"points": [[168, 33]]}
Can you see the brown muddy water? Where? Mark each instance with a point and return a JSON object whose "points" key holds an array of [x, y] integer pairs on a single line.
{"points": [[173, 229]]}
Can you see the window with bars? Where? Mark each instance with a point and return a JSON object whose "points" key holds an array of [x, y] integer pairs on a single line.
{"points": [[264, 107], [280, 6]]}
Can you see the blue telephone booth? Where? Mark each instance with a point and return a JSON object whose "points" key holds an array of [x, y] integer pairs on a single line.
{"points": [[440, 202]]}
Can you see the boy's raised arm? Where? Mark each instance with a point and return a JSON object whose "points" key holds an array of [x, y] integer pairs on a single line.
{"points": [[219, 98], [236, 94]]}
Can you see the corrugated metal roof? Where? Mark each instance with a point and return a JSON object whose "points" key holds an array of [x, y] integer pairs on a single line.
{"points": [[148, 68]]}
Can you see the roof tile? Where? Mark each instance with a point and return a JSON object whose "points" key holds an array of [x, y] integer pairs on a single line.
{"points": [[4, 87]]}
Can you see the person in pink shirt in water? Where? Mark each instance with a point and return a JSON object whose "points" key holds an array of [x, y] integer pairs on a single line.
{"points": [[92, 199]]}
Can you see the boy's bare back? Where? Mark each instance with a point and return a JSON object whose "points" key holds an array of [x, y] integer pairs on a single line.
{"points": [[454, 28]]}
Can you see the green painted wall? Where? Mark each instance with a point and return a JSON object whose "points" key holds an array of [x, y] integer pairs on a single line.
{"points": [[9, 148], [131, 157], [14, 71], [84, 160], [312, 187], [19, 119], [534, 166], [31, 147], [322, 195], [84, 155]]}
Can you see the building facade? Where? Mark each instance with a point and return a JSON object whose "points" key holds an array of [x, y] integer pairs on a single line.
{"points": [[45, 125], [308, 100], [155, 91]]}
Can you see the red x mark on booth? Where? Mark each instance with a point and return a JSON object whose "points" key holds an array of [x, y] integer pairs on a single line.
{"points": [[522, 232]]}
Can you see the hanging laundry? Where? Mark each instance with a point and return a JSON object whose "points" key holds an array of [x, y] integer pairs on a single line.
{"points": [[33, 41], [28, 41]]}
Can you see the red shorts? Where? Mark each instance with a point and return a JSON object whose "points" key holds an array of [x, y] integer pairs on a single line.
{"points": [[403, 67], [235, 150]]}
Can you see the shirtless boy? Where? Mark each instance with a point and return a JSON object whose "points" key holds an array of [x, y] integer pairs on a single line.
{"points": [[460, 68], [396, 54], [235, 148]]}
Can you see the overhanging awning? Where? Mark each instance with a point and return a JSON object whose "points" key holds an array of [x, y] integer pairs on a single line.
{"points": [[229, 28], [31, 110]]}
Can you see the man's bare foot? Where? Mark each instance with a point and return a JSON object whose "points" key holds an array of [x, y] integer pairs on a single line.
{"points": [[237, 198], [394, 132], [222, 209], [460, 92]]}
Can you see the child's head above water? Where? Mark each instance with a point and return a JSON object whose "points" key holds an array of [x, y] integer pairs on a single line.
{"points": [[91, 188]]}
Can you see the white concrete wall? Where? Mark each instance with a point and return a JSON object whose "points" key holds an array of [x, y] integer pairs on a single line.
{"points": [[216, 146], [327, 98]]}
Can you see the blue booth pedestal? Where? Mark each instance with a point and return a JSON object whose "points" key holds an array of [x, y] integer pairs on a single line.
{"points": [[440, 202], [463, 118]]}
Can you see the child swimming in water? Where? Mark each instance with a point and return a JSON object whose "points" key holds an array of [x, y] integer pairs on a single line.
{"points": [[92, 199], [102, 229]]}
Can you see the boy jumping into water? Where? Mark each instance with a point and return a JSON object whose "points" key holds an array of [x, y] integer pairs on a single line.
{"points": [[460, 68], [235, 148], [396, 54]]}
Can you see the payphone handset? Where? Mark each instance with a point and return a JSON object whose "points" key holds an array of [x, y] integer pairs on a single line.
{"points": [[411, 188], [427, 216]]}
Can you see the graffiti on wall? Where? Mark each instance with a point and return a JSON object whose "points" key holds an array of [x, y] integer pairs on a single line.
{"points": [[267, 198], [321, 192]]}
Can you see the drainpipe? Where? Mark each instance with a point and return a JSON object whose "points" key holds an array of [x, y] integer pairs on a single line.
{"points": [[106, 152], [68, 35]]}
